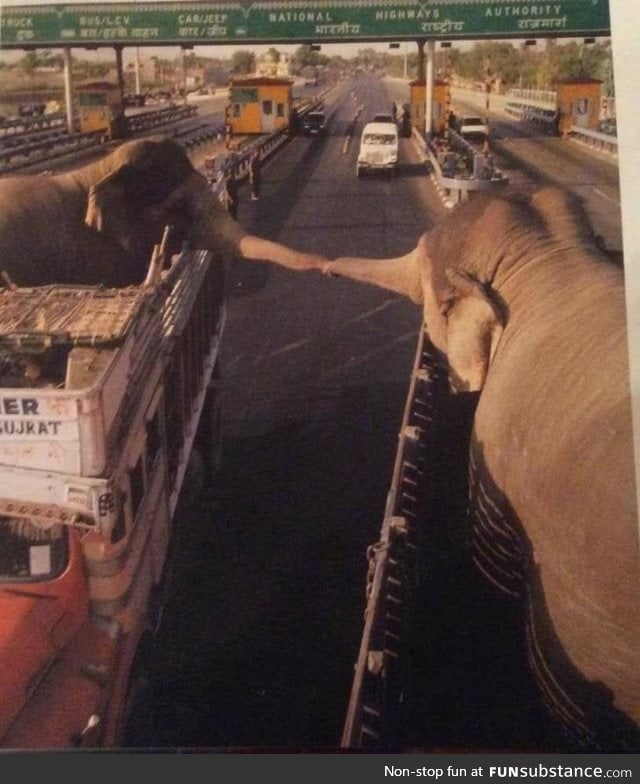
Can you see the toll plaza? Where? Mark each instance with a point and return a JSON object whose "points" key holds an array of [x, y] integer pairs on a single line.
{"points": [[140, 24]]}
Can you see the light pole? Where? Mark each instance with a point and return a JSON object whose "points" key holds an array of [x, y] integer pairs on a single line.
{"points": [[487, 85]]}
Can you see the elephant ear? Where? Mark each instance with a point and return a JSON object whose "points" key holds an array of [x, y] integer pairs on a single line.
{"points": [[107, 208], [474, 325]]}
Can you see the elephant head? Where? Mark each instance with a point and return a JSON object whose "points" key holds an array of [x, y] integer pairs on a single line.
{"points": [[527, 310], [99, 223]]}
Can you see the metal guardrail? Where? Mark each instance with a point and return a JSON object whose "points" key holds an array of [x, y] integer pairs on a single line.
{"points": [[530, 94], [145, 121], [603, 142], [543, 117], [16, 141], [458, 188], [28, 124], [238, 162], [53, 148], [394, 568], [55, 143]]}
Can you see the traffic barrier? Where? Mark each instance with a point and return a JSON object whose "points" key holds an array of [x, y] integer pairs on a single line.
{"points": [[540, 116], [143, 122], [452, 189], [601, 142], [49, 149], [19, 125]]}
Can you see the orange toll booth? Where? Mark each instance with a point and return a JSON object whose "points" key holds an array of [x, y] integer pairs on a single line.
{"points": [[259, 104], [579, 103], [99, 108], [417, 99]]}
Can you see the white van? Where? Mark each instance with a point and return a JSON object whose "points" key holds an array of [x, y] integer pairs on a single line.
{"points": [[378, 148]]}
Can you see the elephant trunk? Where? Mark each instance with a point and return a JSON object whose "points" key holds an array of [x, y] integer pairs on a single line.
{"points": [[209, 226], [401, 274]]}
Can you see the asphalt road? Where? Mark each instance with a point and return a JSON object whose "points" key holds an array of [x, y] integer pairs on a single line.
{"points": [[263, 622], [531, 156]]}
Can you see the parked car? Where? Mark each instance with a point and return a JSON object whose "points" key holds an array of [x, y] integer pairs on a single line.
{"points": [[31, 109], [608, 126], [378, 148], [472, 128], [314, 123], [137, 99]]}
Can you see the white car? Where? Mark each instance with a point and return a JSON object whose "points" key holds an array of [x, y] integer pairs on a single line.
{"points": [[378, 148], [383, 117], [472, 128]]}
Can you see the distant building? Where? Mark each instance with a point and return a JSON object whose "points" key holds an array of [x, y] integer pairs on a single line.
{"points": [[273, 67]]}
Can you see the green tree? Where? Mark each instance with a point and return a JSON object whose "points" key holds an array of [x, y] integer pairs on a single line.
{"points": [[243, 62], [304, 56], [29, 63], [528, 67]]}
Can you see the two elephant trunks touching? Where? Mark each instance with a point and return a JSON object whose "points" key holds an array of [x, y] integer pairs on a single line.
{"points": [[526, 312]]}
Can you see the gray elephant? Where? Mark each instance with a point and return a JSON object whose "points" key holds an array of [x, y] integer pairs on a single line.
{"points": [[528, 311], [98, 224]]}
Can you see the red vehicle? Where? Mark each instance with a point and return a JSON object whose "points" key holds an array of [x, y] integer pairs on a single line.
{"points": [[102, 392]]}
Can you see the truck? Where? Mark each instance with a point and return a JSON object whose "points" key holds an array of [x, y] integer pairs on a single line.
{"points": [[103, 394]]}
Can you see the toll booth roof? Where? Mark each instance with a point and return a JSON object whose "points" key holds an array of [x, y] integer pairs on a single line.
{"points": [[96, 86], [260, 81], [420, 82], [33, 318], [579, 80]]}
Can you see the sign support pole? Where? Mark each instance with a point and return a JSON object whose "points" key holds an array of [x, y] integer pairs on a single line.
{"points": [[68, 89], [428, 108]]}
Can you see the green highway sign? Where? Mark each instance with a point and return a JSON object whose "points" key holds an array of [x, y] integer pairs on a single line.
{"points": [[295, 21]]}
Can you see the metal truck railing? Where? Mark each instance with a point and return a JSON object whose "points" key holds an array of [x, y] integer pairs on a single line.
{"points": [[394, 573]]}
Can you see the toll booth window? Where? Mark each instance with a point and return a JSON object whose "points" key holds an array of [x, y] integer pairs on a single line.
{"points": [[29, 553], [93, 99], [280, 109], [267, 107]]}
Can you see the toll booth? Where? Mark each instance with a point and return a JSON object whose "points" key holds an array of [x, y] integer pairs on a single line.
{"points": [[417, 98], [259, 104], [578, 103], [100, 108]]}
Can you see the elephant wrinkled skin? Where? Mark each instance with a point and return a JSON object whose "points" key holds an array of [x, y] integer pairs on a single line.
{"points": [[98, 224], [528, 311]]}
